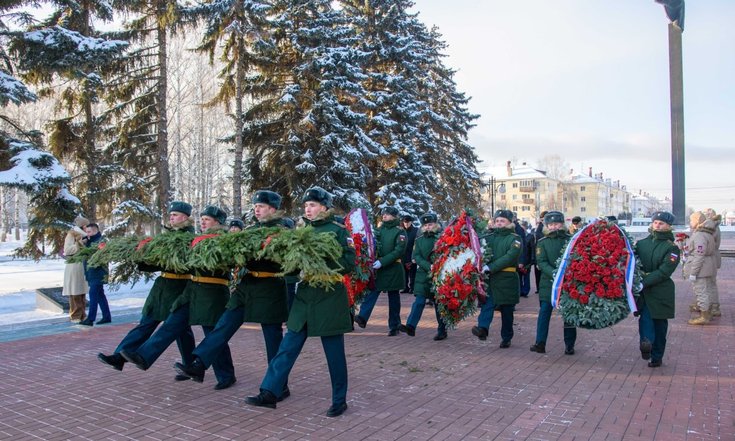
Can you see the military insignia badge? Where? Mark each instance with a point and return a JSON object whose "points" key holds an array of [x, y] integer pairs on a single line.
{"points": [[350, 242], [673, 257], [401, 237], [538, 250], [700, 248], [516, 243]]}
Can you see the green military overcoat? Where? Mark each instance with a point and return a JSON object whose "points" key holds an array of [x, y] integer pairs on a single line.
{"points": [[164, 292], [659, 257], [207, 301], [506, 250], [391, 245], [423, 255], [325, 312], [264, 299], [548, 250]]}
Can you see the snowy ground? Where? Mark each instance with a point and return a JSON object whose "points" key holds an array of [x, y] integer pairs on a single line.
{"points": [[20, 278]]}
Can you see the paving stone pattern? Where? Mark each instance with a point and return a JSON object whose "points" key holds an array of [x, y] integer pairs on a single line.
{"points": [[401, 388]]}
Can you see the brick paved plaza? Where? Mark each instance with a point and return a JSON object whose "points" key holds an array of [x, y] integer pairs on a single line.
{"points": [[401, 388]]}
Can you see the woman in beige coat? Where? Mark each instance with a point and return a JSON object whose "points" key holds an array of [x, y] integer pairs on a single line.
{"points": [[75, 285]]}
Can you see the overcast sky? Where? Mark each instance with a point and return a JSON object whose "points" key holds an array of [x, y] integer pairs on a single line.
{"points": [[588, 79]]}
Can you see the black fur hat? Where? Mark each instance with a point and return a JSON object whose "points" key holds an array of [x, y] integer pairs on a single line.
{"points": [[215, 213], [663, 216], [267, 197], [554, 217], [393, 211], [180, 207], [318, 194], [428, 218], [507, 214]]}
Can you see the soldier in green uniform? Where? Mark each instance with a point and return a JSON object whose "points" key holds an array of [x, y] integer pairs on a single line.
{"points": [[166, 289], [548, 250], [423, 255], [316, 312], [390, 276], [501, 269], [260, 297], [659, 257], [202, 303]]}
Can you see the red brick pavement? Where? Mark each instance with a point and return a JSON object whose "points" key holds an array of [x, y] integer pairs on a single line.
{"points": [[401, 388]]}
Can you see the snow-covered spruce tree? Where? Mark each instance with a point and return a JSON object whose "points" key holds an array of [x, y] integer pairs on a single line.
{"points": [[24, 165], [409, 121], [232, 28], [446, 124], [402, 176], [66, 56], [309, 131], [137, 122]]}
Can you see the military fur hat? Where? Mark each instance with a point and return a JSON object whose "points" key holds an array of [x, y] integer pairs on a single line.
{"points": [[663, 216], [407, 218], [576, 220], [507, 214], [319, 195], [554, 217], [237, 223], [267, 197], [429, 218], [215, 213], [393, 211], [180, 207]]}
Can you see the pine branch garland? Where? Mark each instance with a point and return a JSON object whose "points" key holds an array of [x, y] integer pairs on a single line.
{"points": [[209, 254], [84, 254], [305, 250], [169, 250]]}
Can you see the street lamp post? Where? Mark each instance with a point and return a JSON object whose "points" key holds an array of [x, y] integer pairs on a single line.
{"points": [[500, 189]]}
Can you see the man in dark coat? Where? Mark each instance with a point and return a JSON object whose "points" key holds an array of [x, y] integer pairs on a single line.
{"points": [[659, 257], [260, 297], [167, 287], [391, 245], [407, 259], [96, 279], [202, 303], [316, 312], [501, 267]]}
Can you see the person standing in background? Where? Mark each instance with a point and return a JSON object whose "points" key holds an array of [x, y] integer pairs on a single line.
{"points": [[75, 284], [407, 259], [538, 234], [96, 278]]}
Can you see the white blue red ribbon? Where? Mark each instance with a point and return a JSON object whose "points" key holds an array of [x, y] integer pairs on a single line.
{"points": [[556, 287]]}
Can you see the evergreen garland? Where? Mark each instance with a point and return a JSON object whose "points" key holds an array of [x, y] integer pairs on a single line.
{"points": [[207, 253], [238, 248], [169, 250], [306, 251], [124, 255], [84, 254]]}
